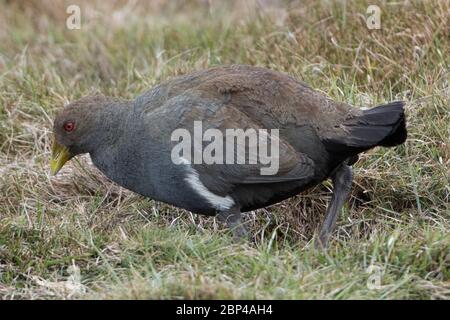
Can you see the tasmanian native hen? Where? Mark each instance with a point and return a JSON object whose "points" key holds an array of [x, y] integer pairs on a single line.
{"points": [[132, 142]]}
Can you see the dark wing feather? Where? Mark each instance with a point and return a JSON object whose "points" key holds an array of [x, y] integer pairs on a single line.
{"points": [[221, 178]]}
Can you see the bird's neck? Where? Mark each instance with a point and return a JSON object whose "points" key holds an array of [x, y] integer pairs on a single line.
{"points": [[113, 139], [112, 122]]}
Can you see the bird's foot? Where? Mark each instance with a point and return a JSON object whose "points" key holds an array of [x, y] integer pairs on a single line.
{"points": [[342, 182], [240, 233], [233, 220], [321, 242]]}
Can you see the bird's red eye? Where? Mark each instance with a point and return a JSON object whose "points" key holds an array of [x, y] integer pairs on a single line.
{"points": [[69, 126]]}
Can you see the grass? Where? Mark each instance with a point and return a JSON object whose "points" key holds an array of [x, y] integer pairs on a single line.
{"points": [[77, 235]]}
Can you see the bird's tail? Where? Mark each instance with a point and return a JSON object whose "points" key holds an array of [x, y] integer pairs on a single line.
{"points": [[384, 125]]}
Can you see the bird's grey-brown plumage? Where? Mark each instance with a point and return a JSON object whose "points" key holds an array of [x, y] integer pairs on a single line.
{"points": [[130, 141]]}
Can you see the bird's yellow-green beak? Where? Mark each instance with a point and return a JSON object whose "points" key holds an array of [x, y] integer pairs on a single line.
{"points": [[60, 155]]}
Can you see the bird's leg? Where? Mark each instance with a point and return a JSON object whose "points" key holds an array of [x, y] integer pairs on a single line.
{"points": [[232, 218], [342, 182]]}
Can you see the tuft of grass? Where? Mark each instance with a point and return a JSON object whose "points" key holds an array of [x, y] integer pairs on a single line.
{"points": [[79, 236]]}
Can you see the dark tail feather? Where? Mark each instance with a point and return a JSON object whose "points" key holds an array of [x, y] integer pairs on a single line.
{"points": [[398, 133], [384, 125], [380, 126]]}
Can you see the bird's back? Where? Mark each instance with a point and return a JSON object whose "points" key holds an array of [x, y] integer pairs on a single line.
{"points": [[275, 99]]}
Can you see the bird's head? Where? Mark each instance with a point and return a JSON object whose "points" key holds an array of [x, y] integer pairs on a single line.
{"points": [[78, 128]]}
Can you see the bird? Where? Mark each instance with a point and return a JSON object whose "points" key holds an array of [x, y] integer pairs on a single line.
{"points": [[132, 141]]}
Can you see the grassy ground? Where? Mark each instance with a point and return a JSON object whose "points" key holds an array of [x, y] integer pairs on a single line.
{"points": [[77, 235]]}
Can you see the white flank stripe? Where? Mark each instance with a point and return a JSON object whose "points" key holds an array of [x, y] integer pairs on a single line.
{"points": [[218, 202]]}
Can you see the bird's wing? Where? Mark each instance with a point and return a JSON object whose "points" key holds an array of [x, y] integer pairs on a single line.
{"points": [[287, 163]]}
